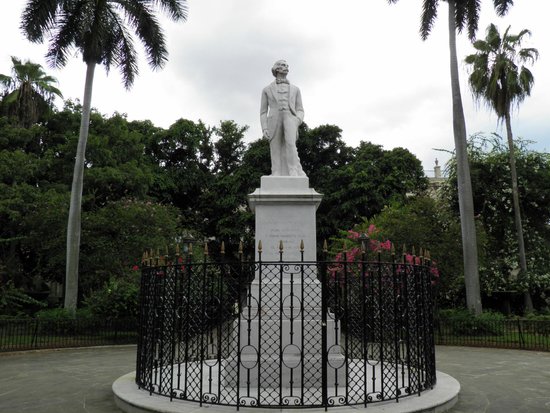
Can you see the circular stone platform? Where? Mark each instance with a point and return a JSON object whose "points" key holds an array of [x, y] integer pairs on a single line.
{"points": [[130, 399]]}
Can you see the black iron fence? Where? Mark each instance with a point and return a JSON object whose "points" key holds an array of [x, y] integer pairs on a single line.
{"points": [[32, 334], [286, 334], [512, 334], [29, 334]]}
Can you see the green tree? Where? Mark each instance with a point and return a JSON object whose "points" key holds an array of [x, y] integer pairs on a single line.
{"points": [[224, 201], [120, 215], [183, 160], [118, 233], [462, 14], [499, 78], [494, 209], [321, 151], [28, 92], [100, 31], [229, 147], [421, 222], [362, 186]]}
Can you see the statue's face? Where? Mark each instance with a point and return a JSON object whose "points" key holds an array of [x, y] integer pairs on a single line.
{"points": [[281, 66]]}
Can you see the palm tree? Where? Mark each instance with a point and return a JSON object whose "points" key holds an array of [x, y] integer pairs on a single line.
{"points": [[100, 30], [499, 78], [29, 92], [463, 14]]}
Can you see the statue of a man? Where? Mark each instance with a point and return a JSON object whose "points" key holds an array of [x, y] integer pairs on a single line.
{"points": [[281, 113]]}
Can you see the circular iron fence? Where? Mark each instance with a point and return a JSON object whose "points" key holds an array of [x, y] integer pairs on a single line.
{"points": [[286, 334]]}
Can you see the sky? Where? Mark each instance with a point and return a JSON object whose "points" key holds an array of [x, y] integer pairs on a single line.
{"points": [[360, 65]]}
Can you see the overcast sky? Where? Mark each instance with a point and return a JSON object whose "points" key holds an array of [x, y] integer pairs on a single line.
{"points": [[360, 64]]}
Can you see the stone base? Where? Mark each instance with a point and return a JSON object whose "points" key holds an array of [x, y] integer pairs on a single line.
{"points": [[129, 398], [285, 207]]}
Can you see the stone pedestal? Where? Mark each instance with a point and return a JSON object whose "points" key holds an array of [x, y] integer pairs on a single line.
{"points": [[285, 211], [281, 327]]}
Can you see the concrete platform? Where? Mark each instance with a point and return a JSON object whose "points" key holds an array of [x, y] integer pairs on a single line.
{"points": [[130, 399], [80, 380]]}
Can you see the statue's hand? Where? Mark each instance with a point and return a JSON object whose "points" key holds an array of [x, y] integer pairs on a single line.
{"points": [[266, 135]]}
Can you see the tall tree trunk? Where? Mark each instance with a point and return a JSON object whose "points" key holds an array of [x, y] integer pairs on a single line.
{"points": [[528, 303], [465, 198], [73, 226]]}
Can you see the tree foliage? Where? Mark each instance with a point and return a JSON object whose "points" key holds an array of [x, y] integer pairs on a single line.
{"points": [[498, 75], [494, 211], [462, 14], [101, 32], [120, 217], [500, 79], [28, 93], [149, 187]]}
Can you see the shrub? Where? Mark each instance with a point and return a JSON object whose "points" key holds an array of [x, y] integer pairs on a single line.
{"points": [[462, 322], [14, 300], [117, 299], [56, 321]]}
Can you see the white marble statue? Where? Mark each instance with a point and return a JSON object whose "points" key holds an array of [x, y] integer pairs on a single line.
{"points": [[281, 113]]}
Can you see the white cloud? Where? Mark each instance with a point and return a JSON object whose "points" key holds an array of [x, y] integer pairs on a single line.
{"points": [[360, 64]]}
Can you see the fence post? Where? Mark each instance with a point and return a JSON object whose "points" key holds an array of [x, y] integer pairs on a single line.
{"points": [[520, 333], [324, 309]]}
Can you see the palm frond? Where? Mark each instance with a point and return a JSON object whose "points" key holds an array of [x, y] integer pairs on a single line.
{"points": [[427, 19], [6, 81], [472, 13], [38, 18], [502, 6], [148, 29], [175, 9], [102, 30], [66, 35], [119, 48], [495, 75], [528, 55]]}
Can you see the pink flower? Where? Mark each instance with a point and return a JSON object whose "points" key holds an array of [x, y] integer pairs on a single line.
{"points": [[373, 244], [135, 268], [353, 234], [372, 229]]}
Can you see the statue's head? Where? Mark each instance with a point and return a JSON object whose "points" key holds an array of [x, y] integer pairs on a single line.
{"points": [[279, 66]]}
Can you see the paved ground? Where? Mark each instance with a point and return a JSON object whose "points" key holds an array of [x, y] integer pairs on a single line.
{"points": [[79, 380]]}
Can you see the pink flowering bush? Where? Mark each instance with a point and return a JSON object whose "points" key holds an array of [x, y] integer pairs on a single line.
{"points": [[374, 243]]}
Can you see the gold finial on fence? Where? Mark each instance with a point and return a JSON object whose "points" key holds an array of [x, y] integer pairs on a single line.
{"points": [[421, 253], [281, 247], [143, 259], [190, 249], [206, 249], [404, 250], [260, 246], [428, 256], [222, 248], [413, 252], [325, 246], [302, 246], [241, 247], [177, 250]]}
